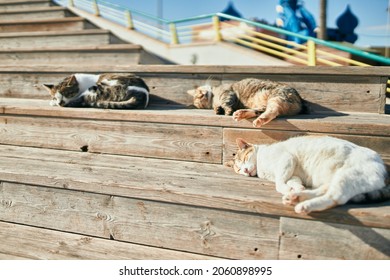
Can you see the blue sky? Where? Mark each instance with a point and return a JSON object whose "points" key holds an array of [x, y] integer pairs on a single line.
{"points": [[372, 14]]}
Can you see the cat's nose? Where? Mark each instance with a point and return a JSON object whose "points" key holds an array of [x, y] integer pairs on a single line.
{"points": [[246, 170]]}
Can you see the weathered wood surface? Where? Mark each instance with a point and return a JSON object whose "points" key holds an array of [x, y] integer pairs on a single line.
{"points": [[379, 144], [17, 5], [165, 225], [190, 183], [69, 23], [115, 54], [35, 13], [342, 91], [169, 141], [353, 123], [302, 239], [88, 37], [25, 242]]}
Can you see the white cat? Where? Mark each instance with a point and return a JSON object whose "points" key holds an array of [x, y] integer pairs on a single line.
{"points": [[316, 173]]}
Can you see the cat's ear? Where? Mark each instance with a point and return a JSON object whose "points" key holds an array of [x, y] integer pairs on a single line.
{"points": [[191, 92], [48, 86], [242, 144], [72, 80]]}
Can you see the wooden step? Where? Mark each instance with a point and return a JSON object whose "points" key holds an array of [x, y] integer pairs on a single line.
{"points": [[12, 5], [89, 37], [61, 24], [171, 132], [347, 89], [38, 243], [35, 14], [114, 54], [194, 207]]}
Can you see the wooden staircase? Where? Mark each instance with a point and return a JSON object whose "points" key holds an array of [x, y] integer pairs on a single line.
{"points": [[81, 183]]}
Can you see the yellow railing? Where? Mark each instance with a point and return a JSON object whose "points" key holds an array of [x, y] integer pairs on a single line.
{"points": [[307, 54]]}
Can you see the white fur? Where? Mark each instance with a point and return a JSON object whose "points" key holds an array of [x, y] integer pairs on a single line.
{"points": [[86, 81], [334, 170], [110, 83]]}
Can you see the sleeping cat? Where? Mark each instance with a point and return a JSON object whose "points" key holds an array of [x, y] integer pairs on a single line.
{"points": [[115, 91], [316, 173], [249, 98]]}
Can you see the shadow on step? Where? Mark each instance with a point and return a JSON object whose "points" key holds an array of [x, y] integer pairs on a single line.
{"points": [[369, 236]]}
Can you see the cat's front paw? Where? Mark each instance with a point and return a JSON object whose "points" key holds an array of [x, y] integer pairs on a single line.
{"points": [[259, 122], [239, 115], [302, 208], [219, 110], [290, 199]]}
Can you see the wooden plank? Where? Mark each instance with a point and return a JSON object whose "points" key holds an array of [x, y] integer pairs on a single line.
{"points": [[324, 92], [354, 123], [376, 143], [69, 23], [191, 229], [24, 242], [379, 71], [195, 143], [89, 37], [17, 5], [35, 13], [93, 55], [302, 239], [189, 183]]}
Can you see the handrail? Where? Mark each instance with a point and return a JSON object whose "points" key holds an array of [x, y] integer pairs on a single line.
{"points": [[182, 34], [307, 38]]}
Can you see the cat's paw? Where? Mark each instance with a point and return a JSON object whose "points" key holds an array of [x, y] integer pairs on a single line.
{"points": [[290, 199], [302, 208], [238, 115], [219, 110], [296, 188], [259, 122]]}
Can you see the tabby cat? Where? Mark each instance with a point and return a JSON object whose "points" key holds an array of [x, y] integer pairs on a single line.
{"points": [[316, 173], [115, 91], [249, 98]]}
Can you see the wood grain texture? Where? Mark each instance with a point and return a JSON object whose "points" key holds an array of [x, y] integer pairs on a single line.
{"points": [[379, 144], [195, 143], [192, 229], [17, 5], [379, 71], [188, 183], [91, 56], [25, 242], [35, 13], [302, 239], [352, 123], [88, 37], [69, 23]]}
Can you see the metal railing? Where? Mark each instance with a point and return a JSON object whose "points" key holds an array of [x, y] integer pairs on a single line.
{"points": [[222, 27]]}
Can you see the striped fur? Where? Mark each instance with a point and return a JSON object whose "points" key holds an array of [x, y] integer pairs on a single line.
{"points": [[108, 91], [249, 98]]}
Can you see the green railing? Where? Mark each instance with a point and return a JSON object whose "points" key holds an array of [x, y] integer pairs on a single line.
{"points": [[206, 28]]}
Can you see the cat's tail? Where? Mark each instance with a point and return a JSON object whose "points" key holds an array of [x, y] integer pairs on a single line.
{"points": [[376, 196]]}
